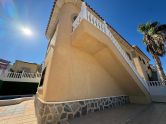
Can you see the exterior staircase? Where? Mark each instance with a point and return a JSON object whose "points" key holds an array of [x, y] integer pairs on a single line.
{"points": [[86, 16], [157, 90]]}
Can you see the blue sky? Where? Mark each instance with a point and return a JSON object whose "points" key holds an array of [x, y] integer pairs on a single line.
{"points": [[123, 15]]}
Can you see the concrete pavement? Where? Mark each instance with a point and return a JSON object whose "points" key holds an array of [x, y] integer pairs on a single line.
{"points": [[128, 114], [23, 113]]}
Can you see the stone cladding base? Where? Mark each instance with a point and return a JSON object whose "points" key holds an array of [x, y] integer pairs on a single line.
{"points": [[59, 113]]}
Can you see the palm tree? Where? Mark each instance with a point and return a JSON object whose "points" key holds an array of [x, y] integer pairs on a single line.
{"points": [[155, 41]]}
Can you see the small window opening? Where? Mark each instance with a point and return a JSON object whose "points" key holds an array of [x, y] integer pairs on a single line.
{"points": [[74, 18]]}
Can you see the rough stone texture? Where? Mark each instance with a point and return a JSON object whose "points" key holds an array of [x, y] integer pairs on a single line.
{"points": [[60, 113]]}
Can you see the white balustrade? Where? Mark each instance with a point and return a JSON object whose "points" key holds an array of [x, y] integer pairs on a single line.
{"points": [[21, 77], [156, 83], [102, 26], [77, 22], [157, 90]]}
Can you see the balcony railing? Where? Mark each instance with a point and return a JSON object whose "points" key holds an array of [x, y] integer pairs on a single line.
{"points": [[102, 26], [21, 77], [156, 83]]}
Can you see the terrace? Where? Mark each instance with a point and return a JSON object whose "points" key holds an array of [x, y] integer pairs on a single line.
{"points": [[20, 77]]}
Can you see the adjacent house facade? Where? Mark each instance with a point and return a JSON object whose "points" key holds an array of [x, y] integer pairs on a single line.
{"points": [[20, 66], [88, 66], [4, 64], [141, 62], [21, 78]]}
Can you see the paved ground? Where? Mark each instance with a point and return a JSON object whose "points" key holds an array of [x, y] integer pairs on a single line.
{"points": [[22, 113], [155, 113], [128, 114]]}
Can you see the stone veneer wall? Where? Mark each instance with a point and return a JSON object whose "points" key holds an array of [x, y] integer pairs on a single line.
{"points": [[59, 113]]}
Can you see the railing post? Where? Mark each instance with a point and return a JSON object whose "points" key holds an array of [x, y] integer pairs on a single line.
{"points": [[105, 28], [22, 75], [84, 10]]}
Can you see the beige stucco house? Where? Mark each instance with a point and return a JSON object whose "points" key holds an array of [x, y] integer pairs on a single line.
{"points": [[88, 66], [20, 66]]}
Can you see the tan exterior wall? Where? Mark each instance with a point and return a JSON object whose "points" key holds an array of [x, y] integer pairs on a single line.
{"points": [[143, 70], [142, 67], [73, 73], [89, 39]]}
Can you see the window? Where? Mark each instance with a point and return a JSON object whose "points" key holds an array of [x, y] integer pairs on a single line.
{"points": [[140, 58], [149, 67], [143, 61], [149, 78], [25, 69], [128, 55], [74, 18]]}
